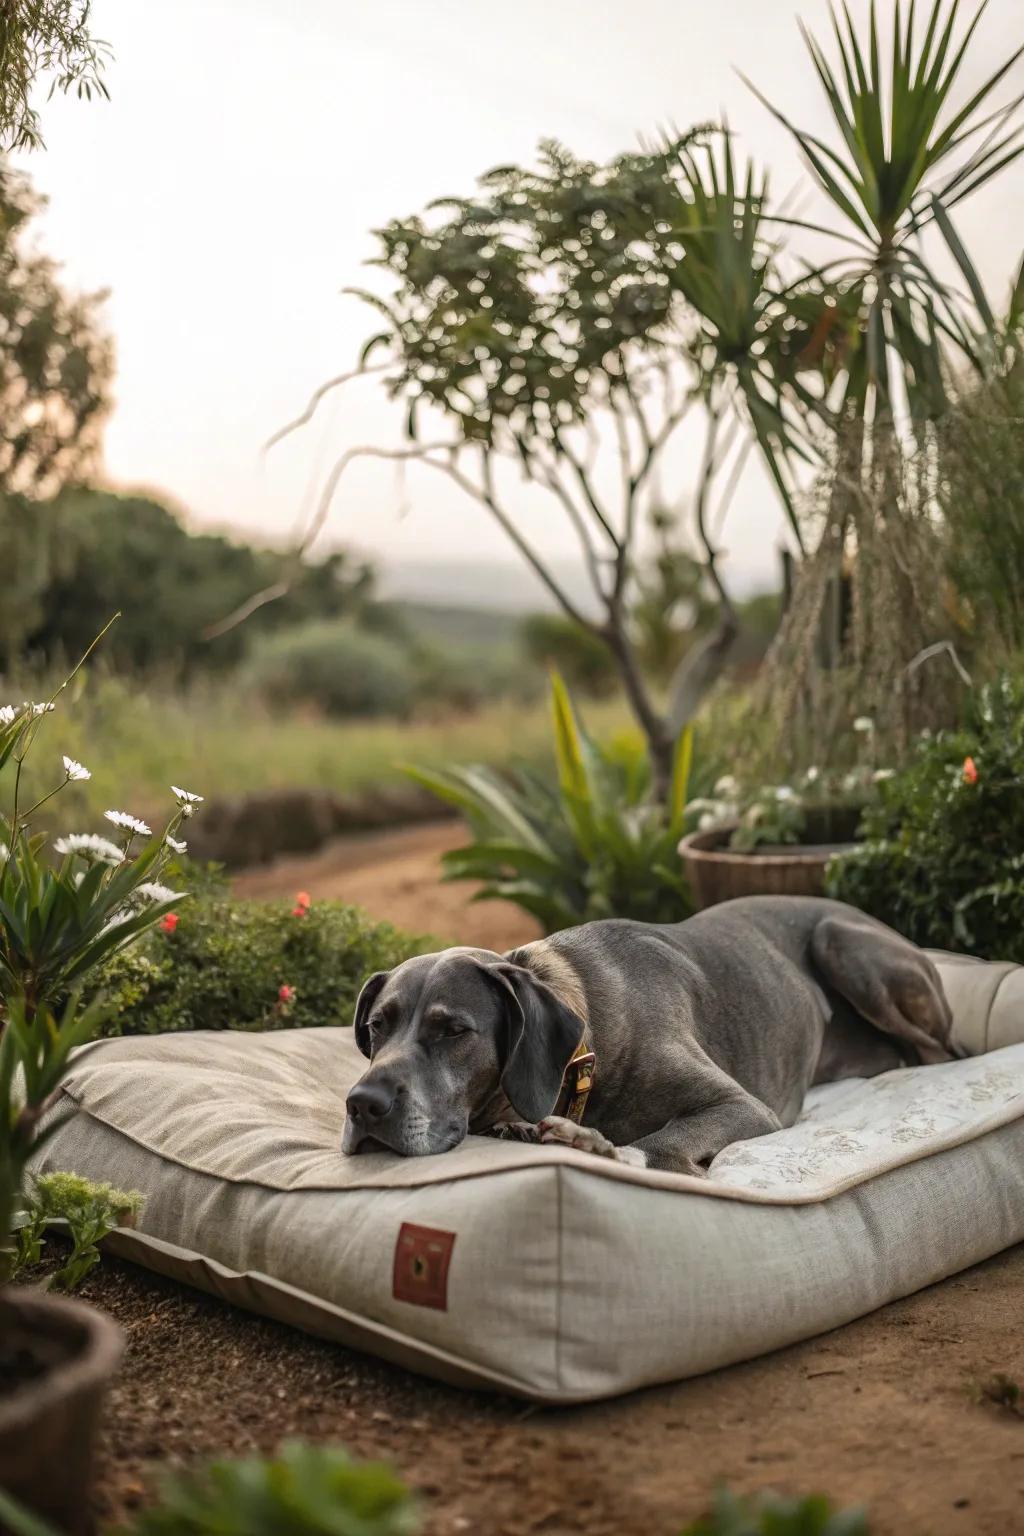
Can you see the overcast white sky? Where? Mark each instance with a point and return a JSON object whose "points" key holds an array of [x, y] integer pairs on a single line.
{"points": [[226, 193]]}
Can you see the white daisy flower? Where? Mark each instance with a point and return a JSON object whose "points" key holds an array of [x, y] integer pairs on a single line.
{"points": [[784, 792], [864, 724], [881, 774], [38, 709], [89, 845], [152, 890], [727, 787], [185, 796], [812, 775], [75, 771], [7, 713], [130, 823], [178, 844]]}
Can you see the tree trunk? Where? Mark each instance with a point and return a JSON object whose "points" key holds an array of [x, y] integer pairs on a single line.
{"points": [[660, 741]]}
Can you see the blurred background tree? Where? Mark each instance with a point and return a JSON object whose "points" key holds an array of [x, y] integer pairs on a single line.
{"points": [[56, 364]]}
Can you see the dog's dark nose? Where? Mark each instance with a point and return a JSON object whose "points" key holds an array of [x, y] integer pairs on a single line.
{"points": [[369, 1102]]}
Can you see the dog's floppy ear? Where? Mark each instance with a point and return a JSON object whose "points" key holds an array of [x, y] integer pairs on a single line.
{"points": [[540, 1037], [364, 1002]]}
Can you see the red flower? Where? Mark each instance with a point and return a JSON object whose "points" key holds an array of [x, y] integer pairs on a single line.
{"points": [[970, 771], [285, 993], [168, 922], [302, 904], [300, 911]]}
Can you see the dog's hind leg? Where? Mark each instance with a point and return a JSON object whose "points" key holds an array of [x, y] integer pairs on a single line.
{"points": [[889, 982]]}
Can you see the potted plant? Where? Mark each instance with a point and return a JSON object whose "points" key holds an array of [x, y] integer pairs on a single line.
{"points": [[776, 839], [60, 917]]}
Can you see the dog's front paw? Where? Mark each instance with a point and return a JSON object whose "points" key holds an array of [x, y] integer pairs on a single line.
{"points": [[586, 1139], [513, 1130]]}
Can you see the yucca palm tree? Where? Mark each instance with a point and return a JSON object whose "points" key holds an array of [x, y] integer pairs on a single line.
{"points": [[879, 321]]}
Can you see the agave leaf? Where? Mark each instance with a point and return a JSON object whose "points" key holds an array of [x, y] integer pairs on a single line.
{"points": [[682, 762]]}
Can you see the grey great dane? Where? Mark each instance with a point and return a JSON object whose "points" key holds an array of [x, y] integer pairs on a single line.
{"points": [[653, 1044]]}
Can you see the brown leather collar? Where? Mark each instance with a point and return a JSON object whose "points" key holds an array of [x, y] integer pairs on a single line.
{"points": [[577, 1083]]}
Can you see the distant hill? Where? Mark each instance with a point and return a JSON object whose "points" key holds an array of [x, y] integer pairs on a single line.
{"points": [[449, 624], [495, 586]]}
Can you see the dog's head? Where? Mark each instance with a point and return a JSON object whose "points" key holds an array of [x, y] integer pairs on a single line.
{"points": [[453, 1040]]}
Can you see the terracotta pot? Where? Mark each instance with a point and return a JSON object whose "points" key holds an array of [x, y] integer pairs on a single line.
{"points": [[48, 1424], [717, 872]]}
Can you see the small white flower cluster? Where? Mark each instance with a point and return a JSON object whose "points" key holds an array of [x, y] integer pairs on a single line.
{"points": [[89, 845], [152, 890], [7, 714], [721, 809], [130, 823]]}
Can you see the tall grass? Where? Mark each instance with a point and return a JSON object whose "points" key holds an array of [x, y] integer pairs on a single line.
{"points": [[137, 739]]}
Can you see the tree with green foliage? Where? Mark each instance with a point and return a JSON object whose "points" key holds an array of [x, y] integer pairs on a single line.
{"points": [[132, 554], [56, 360], [42, 39], [55, 371], [564, 322]]}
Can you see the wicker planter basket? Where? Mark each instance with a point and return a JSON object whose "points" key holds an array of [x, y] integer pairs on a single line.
{"points": [[717, 872]]}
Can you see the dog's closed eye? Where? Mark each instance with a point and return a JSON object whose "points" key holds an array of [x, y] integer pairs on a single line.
{"points": [[446, 1025]]}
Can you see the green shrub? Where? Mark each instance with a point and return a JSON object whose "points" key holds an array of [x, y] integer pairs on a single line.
{"points": [[943, 856], [227, 964], [305, 1490], [594, 845], [586, 663], [336, 667], [770, 1515]]}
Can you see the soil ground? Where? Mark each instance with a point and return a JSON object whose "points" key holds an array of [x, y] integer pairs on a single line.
{"points": [[879, 1413], [394, 875]]}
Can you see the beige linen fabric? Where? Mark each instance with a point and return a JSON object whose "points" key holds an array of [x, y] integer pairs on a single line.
{"points": [[568, 1277]]}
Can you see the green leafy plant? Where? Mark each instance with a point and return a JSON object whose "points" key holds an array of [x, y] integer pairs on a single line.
{"points": [[770, 1515], [227, 964], [88, 1212], [594, 846], [60, 921], [942, 859], [304, 1491], [819, 806]]}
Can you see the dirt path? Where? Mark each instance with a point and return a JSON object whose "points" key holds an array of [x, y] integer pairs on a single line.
{"points": [[394, 875], [878, 1413]]}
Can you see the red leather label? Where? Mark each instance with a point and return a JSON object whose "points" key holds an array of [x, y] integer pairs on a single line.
{"points": [[422, 1257]]}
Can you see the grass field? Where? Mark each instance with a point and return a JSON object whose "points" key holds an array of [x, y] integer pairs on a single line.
{"points": [[216, 741]]}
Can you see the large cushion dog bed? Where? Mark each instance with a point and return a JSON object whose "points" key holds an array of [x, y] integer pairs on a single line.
{"points": [[538, 1270]]}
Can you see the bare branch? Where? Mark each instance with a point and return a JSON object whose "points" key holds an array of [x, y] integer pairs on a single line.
{"points": [[549, 474], [725, 500], [244, 610], [489, 500], [941, 647], [317, 396], [587, 489]]}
